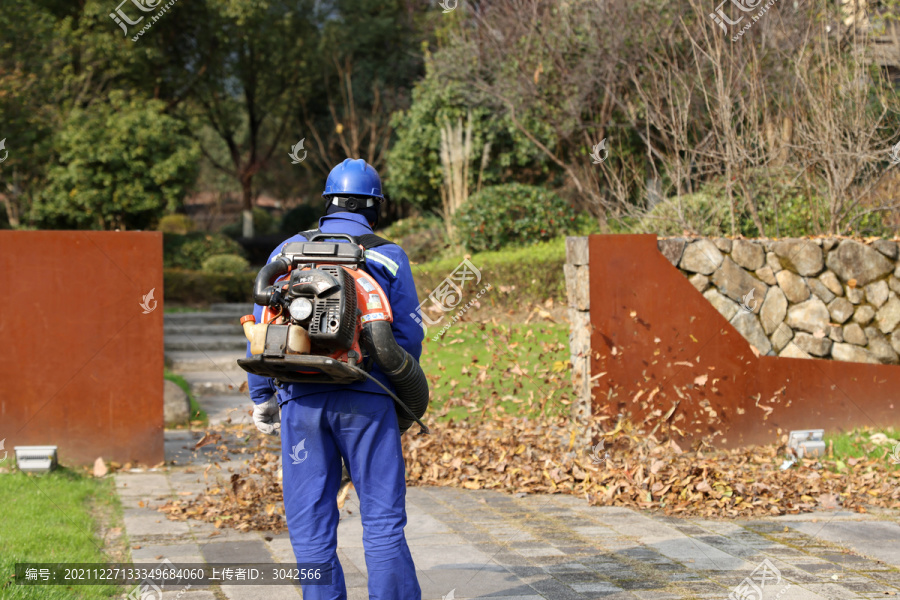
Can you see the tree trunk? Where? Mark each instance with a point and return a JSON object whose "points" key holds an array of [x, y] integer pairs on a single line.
{"points": [[787, 133], [12, 215], [729, 195], [247, 206], [11, 201]]}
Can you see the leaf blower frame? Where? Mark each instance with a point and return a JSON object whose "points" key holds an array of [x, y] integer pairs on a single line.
{"points": [[325, 320]]}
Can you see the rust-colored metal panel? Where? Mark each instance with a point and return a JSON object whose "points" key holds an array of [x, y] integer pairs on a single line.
{"points": [[828, 394], [654, 334], [81, 365]]}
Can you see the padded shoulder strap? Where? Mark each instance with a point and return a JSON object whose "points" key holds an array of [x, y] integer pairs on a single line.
{"points": [[366, 240], [370, 240]]}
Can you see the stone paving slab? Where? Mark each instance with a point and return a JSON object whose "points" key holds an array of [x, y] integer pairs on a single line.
{"points": [[261, 592], [483, 544], [188, 595], [876, 539], [227, 408]]}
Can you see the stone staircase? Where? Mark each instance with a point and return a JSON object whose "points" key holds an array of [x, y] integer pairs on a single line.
{"points": [[203, 347]]}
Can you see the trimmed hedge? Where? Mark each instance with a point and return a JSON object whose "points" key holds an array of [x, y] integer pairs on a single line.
{"points": [[176, 223], [229, 264], [196, 287], [535, 273], [190, 250]]}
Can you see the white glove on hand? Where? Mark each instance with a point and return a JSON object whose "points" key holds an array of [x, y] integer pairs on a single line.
{"points": [[267, 417]]}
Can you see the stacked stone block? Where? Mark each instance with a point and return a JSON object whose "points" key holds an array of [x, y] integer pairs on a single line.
{"points": [[831, 298], [578, 293]]}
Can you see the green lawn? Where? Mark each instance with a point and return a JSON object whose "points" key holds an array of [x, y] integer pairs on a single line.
{"points": [[197, 413], [859, 443], [47, 518], [522, 369]]}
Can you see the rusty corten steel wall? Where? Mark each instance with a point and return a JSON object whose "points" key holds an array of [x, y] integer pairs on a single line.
{"points": [[654, 333], [81, 366]]}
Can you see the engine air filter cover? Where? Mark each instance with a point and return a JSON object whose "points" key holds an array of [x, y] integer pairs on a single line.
{"points": [[332, 292]]}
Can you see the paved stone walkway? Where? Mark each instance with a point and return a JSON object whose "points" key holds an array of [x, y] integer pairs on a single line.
{"points": [[482, 544], [471, 544]]}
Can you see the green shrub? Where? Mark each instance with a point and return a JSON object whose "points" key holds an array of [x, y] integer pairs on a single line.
{"points": [[513, 214], [422, 237], [300, 218], [176, 223], [230, 264], [786, 207], [196, 287], [702, 213], [414, 224], [190, 250]]}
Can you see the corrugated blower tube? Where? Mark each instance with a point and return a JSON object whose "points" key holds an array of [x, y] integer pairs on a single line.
{"points": [[401, 368]]}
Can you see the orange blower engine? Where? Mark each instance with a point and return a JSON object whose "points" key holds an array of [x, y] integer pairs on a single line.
{"points": [[326, 320]]}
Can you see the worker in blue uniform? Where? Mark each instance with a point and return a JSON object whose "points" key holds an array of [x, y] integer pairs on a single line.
{"points": [[322, 423]]}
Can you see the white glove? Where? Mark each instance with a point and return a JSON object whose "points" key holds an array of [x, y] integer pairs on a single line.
{"points": [[267, 417]]}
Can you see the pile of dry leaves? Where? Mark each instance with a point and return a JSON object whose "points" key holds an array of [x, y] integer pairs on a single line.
{"points": [[245, 499], [548, 456], [517, 455]]}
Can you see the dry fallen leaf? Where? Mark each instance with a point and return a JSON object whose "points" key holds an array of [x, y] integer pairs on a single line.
{"points": [[207, 439], [100, 469]]}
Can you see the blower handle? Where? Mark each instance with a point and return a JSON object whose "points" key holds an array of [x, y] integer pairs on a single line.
{"points": [[323, 235]]}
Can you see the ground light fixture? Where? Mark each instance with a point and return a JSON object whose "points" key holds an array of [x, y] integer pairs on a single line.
{"points": [[807, 442], [36, 459]]}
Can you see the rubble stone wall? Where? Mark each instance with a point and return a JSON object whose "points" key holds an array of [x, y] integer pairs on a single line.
{"points": [[827, 298]]}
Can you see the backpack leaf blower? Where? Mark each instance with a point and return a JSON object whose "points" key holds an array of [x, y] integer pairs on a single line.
{"points": [[325, 320]]}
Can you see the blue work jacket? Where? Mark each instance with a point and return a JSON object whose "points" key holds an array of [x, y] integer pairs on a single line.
{"points": [[389, 266]]}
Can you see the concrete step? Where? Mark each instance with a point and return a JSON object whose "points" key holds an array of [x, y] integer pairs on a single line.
{"points": [[208, 329], [232, 307], [205, 343], [180, 361], [221, 408], [209, 383], [203, 318]]}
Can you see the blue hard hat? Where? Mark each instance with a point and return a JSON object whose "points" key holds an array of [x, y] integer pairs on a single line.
{"points": [[353, 177]]}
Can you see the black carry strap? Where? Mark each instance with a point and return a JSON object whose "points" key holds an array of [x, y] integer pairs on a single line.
{"points": [[366, 240]]}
